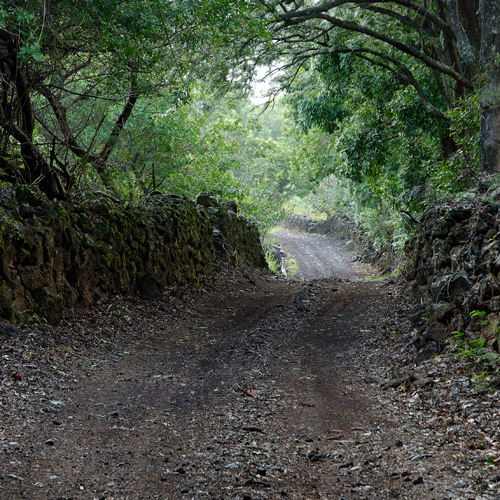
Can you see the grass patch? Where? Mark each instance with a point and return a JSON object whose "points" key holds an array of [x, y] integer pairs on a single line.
{"points": [[301, 206], [373, 278], [293, 267]]}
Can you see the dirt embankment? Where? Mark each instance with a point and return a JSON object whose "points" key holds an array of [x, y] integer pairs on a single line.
{"points": [[243, 387]]}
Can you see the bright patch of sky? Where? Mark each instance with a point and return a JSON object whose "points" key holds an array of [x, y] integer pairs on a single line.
{"points": [[261, 85]]}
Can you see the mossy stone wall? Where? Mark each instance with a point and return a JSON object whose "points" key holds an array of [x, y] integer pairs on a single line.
{"points": [[454, 263], [55, 255]]}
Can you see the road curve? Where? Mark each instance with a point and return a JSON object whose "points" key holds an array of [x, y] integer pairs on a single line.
{"points": [[315, 256]]}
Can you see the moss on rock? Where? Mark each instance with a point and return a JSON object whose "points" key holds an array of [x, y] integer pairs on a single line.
{"points": [[55, 255]]}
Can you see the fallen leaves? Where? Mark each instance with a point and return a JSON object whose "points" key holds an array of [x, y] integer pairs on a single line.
{"points": [[248, 392], [251, 428]]}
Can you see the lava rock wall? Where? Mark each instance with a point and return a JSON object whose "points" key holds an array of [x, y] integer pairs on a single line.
{"points": [[454, 260], [55, 255]]}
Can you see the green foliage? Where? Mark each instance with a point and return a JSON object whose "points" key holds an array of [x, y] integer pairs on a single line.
{"points": [[388, 138], [274, 267], [470, 350], [477, 313], [474, 352], [293, 267], [482, 381], [381, 156], [80, 68], [135, 96], [203, 143], [460, 171]]}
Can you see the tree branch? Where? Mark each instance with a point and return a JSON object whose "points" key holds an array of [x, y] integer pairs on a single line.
{"points": [[407, 75], [408, 21], [102, 158], [60, 112], [407, 49], [18, 79], [313, 12]]}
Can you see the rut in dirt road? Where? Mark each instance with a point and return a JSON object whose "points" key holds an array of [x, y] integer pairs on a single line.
{"points": [[249, 388]]}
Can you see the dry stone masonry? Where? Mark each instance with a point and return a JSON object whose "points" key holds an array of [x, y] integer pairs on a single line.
{"points": [[454, 260], [55, 255]]}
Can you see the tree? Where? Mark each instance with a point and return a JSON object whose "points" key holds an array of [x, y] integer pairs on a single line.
{"points": [[489, 88], [73, 71], [455, 42]]}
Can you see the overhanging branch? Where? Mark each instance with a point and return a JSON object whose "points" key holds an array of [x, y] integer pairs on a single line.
{"points": [[313, 12], [397, 44], [404, 73]]}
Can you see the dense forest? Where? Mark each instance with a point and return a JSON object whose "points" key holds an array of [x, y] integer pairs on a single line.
{"points": [[373, 110]]}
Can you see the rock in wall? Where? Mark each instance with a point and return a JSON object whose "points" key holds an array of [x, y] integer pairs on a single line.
{"points": [[454, 260], [57, 254]]}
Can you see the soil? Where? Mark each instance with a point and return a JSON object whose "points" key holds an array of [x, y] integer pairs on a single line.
{"points": [[244, 386]]}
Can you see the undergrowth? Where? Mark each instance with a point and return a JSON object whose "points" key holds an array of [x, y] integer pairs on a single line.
{"points": [[484, 363], [273, 264]]}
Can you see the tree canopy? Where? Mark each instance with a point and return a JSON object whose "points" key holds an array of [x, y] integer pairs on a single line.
{"points": [[445, 49], [73, 72], [377, 107]]}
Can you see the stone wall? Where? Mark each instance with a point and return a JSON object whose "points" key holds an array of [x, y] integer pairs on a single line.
{"points": [[454, 260], [58, 254]]}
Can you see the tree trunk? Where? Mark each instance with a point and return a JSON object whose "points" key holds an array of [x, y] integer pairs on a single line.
{"points": [[489, 90], [100, 161], [448, 147], [489, 140]]}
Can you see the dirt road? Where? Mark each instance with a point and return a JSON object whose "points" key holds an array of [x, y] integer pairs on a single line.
{"points": [[318, 256], [244, 387]]}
